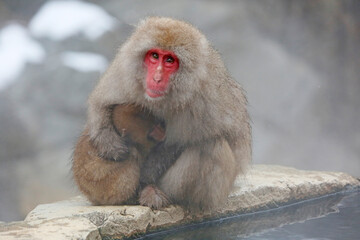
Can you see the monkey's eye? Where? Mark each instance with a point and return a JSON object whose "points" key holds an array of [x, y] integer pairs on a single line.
{"points": [[170, 60], [155, 55]]}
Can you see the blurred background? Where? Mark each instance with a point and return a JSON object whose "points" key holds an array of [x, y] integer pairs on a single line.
{"points": [[299, 62]]}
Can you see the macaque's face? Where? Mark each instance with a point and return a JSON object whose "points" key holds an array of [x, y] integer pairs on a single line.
{"points": [[160, 65]]}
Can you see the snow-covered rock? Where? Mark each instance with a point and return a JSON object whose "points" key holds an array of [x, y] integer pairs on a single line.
{"points": [[16, 49], [59, 20], [84, 61]]}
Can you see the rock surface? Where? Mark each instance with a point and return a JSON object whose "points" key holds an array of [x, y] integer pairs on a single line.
{"points": [[264, 187]]}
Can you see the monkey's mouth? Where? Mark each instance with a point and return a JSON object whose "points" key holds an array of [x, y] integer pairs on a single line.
{"points": [[155, 93]]}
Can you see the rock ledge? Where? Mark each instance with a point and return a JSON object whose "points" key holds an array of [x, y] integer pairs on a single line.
{"points": [[264, 187]]}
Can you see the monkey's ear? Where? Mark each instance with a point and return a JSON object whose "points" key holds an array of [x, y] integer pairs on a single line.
{"points": [[157, 133]]}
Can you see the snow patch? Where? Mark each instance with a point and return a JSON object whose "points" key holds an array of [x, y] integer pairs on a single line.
{"points": [[16, 49], [59, 20], [84, 61]]}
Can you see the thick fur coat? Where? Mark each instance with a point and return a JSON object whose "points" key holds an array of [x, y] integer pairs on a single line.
{"points": [[204, 110]]}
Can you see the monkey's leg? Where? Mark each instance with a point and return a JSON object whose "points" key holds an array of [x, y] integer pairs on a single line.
{"points": [[104, 182], [201, 177], [160, 159], [242, 152]]}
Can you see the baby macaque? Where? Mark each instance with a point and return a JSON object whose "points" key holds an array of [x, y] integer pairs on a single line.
{"points": [[116, 182]]}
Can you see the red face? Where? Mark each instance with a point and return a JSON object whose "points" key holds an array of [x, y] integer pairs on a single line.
{"points": [[160, 65]]}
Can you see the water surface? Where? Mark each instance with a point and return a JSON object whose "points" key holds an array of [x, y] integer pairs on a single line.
{"points": [[334, 217]]}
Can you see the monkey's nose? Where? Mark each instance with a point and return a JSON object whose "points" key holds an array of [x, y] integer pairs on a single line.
{"points": [[157, 77]]}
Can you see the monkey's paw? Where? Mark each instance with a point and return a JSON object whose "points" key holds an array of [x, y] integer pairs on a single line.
{"points": [[153, 197], [111, 146]]}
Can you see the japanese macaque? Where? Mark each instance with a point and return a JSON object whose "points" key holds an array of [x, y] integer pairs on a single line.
{"points": [[169, 67], [116, 182]]}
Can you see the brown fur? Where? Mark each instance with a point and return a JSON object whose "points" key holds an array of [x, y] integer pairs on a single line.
{"points": [[110, 182], [204, 110]]}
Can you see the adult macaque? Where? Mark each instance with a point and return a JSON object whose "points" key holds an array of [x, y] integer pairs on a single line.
{"points": [[110, 182], [169, 67]]}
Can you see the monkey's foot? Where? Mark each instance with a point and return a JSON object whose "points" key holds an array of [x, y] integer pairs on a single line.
{"points": [[153, 197]]}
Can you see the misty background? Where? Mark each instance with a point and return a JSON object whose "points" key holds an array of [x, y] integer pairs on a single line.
{"points": [[299, 62]]}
